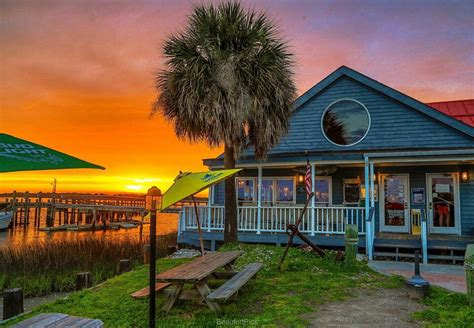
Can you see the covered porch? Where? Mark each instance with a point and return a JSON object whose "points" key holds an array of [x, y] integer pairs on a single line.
{"points": [[401, 185]]}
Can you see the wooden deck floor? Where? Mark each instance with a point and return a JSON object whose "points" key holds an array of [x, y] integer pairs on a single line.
{"points": [[405, 236]]}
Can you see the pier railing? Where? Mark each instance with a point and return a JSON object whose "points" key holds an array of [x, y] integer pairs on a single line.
{"points": [[273, 219]]}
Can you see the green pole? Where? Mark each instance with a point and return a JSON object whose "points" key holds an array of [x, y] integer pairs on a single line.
{"points": [[469, 267], [352, 242]]}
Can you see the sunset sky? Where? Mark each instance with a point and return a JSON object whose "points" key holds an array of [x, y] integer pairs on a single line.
{"points": [[77, 76]]}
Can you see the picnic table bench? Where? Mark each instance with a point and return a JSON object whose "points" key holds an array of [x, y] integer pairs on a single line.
{"points": [[199, 271], [231, 286]]}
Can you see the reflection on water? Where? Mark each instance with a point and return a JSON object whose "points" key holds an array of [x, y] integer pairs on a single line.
{"points": [[166, 223]]}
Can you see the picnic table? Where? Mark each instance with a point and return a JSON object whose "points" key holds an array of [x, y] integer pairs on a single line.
{"points": [[198, 271]]}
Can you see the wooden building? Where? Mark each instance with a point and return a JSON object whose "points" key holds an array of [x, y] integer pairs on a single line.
{"points": [[416, 160]]}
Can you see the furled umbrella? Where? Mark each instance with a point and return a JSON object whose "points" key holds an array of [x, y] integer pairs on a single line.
{"points": [[185, 185]]}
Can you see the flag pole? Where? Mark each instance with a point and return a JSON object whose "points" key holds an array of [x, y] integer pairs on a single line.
{"points": [[199, 225]]}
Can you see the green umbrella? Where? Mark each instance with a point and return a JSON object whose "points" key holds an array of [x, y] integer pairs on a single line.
{"points": [[20, 155], [185, 185]]}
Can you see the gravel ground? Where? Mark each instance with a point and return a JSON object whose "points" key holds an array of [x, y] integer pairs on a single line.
{"points": [[370, 308]]}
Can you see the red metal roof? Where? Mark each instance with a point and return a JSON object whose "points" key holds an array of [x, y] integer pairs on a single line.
{"points": [[462, 110]]}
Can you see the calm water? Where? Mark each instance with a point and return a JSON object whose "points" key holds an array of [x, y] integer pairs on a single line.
{"points": [[166, 223]]}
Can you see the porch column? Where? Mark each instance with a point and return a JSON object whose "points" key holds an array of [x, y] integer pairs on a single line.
{"points": [[259, 200], [209, 204], [372, 187], [313, 189], [424, 237], [368, 223], [372, 205]]}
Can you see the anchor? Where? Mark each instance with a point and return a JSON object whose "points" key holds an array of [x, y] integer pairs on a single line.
{"points": [[292, 230]]}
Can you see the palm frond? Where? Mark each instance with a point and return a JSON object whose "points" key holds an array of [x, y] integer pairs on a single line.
{"points": [[228, 78]]}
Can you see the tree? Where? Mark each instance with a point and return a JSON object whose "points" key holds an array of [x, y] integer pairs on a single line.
{"points": [[228, 80]]}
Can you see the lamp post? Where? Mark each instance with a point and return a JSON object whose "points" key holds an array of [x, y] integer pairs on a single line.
{"points": [[152, 202]]}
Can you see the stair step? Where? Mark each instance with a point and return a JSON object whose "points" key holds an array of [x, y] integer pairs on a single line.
{"points": [[392, 254], [445, 257]]}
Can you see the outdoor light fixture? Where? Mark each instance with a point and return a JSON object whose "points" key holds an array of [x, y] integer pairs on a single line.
{"points": [[153, 196], [464, 176], [300, 178]]}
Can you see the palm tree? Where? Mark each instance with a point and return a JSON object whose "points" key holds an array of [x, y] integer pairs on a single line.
{"points": [[228, 80]]}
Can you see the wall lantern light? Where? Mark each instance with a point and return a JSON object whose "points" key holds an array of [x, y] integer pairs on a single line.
{"points": [[464, 176], [300, 178]]}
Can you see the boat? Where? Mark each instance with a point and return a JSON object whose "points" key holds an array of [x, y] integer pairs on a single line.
{"points": [[5, 219]]}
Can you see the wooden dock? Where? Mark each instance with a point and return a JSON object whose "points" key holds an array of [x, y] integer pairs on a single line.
{"points": [[70, 208], [91, 210]]}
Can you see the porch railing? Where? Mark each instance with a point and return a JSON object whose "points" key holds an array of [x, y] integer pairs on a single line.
{"points": [[317, 220]]}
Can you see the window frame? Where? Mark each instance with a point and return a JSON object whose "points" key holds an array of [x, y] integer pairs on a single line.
{"points": [[329, 179], [274, 179], [254, 191], [275, 191], [332, 104]]}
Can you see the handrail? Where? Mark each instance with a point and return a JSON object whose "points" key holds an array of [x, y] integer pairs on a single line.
{"points": [[274, 219], [371, 214]]}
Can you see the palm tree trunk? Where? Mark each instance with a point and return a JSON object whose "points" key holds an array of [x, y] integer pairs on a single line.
{"points": [[230, 221]]}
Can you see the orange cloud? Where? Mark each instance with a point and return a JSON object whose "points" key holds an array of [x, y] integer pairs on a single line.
{"points": [[78, 76]]}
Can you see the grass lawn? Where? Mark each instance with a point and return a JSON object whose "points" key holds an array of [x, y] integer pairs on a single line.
{"points": [[272, 299]]}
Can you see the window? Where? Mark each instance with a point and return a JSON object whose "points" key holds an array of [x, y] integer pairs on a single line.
{"points": [[274, 190], [345, 122], [245, 190], [284, 190], [351, 191], [267, 190], [322, 187]]}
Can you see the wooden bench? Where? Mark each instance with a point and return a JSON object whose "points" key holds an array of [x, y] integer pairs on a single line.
{"points": [[145, 292], [231, 286]]}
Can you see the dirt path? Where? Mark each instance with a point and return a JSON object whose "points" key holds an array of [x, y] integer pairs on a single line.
{"points": [[370, 308]]}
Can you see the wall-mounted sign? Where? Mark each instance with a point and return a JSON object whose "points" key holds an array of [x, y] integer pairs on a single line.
{"points": [[418, 196]]}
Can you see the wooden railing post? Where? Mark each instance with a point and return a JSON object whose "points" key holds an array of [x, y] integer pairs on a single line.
{"points": [[368, 223]]}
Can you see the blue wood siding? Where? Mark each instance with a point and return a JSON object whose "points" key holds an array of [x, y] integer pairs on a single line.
{"points": [[466, 191], [393, 125]]}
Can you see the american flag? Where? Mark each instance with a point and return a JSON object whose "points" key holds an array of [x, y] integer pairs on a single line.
{"points": [[307, 179]]}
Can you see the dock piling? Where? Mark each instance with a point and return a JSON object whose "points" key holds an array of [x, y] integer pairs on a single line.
{"points": [[12, 302]]}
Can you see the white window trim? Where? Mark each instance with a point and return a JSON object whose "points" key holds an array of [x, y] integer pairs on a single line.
{"points": [[333, 103], [254, 197], [274, 193], [275, 189], [329, 179], [457, 205]]}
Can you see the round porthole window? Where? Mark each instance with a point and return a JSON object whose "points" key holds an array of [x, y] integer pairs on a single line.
{"points": [[345, 122]]}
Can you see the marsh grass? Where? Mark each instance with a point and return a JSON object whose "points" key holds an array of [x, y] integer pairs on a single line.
{"points": [[43, 266]]}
